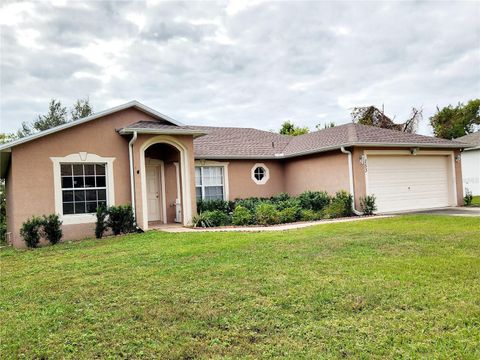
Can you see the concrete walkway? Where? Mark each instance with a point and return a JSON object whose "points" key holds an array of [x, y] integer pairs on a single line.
{"points": [[177, 228]]}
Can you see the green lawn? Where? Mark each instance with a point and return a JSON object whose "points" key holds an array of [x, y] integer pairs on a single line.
{"points": [[404, 287], [476, 201]]}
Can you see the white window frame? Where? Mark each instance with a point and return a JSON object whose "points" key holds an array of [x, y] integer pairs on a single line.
{"points": [[81, 158], [224, 165], [265, 178]]}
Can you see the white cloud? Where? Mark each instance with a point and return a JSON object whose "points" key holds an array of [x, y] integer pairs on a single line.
{"points": [[240, 63]]}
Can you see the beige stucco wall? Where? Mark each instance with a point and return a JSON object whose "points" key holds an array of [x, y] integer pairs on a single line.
{"points": [[320, 172], [241, 184], [30, 180]]}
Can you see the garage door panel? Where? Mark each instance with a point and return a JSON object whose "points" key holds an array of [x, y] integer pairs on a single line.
{"points": [[408, 182]]}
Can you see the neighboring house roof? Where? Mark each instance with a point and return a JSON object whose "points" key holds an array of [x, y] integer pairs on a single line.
{"points": [[473, 140], [131, 104], [251, 143]]}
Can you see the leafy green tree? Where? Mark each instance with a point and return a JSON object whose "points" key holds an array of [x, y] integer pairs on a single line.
{"points": [[81, 109], [289, 128], [57, 115], [452, 122], [5, 138]]}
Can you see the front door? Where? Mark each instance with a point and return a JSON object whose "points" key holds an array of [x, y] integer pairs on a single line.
{"points": [[153, 193]]}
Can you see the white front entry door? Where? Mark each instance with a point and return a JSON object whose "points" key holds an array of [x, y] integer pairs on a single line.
{"points": [[153, 193], [409, 182]]}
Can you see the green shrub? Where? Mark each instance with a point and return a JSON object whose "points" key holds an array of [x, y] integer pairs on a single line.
{"points": [[280, 198], [314, 200], [468, 198], [213, 205], [101, 224], [242, 216], [52, 228], [250, 203], [289, 214], [309, 215], [367, 204], [120, 219], [201, 220], [346, 199], [335, 209], [266, 214], [30, 231], [217, 218]]}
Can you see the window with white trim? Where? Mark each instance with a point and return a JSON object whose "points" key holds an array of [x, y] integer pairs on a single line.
{"points": [[260, 174], [209, 183], [84, 187]]}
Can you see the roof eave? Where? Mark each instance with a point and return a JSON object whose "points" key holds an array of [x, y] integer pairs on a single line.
{"points": [[195, 133]]}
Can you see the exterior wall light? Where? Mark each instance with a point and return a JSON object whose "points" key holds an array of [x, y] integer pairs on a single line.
{"points": [[413, 151], [458, 157]]}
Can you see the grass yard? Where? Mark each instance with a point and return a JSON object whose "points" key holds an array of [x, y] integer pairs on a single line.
{"points": [[404, 287], [476, 200]]}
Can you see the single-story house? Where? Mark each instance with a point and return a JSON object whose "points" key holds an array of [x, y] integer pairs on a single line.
{"points": [[132, 154], [471, 163]]}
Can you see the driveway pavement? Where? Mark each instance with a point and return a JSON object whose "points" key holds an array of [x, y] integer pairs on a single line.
{"points": [[453, 211]]}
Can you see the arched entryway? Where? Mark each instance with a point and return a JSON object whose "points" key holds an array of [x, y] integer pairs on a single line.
{"points": [[165, 177]]}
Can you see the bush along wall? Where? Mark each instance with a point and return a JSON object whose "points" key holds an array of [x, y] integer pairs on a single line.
{"points": [[119, 219], [48, 227], [282, 208]]}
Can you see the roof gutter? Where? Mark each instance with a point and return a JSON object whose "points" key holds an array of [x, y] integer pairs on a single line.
{"points": [[350, 179], [132, 173]]}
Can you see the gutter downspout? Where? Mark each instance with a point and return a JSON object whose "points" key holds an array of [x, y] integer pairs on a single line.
{"points": [[350, 178], [132, 174]]}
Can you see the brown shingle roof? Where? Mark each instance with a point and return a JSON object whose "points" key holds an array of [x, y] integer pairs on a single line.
{"points": [[472, 139], [250, 143]]}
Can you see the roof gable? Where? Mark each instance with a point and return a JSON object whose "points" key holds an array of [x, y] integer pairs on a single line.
{"points": [[131, 104]]}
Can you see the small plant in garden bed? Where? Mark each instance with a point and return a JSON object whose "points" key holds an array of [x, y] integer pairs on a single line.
{"points": [[242, 216], [468, 198], [30, 231], [368, 205]]}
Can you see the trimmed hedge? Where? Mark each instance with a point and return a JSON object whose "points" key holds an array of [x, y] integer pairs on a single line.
{"points": [[281, 208]]}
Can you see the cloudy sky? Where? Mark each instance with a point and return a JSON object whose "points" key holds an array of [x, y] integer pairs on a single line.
{"points": [[239, 63]]}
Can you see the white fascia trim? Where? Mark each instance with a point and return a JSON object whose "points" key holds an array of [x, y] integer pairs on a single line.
{"points": [[265, 178], [81, 157], [226, 181], [112, 110], [126, 131]]}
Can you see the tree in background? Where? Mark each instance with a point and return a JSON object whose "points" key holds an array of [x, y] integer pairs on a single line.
{"points": [[4, 138], [289, 128], [372, 116], [325, 126], [81, 109], [57, 115], [453, 122]]}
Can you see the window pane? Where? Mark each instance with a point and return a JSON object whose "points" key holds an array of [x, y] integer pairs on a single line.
{"points": [[212, 175], [214, 193], [198, 176], [77, 169], [66, 169], [79, 195], [78, 182], [259, 173], [67, 182], [89, 181], [102, 194], [100, 181], [100, 169], [91, 206], [79, 208], [198, 191], [67, 208], [67, 195], [89, 169], [91, 195]]}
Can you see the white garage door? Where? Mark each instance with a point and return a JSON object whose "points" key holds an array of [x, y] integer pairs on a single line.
{"points": [[408, 182]]}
